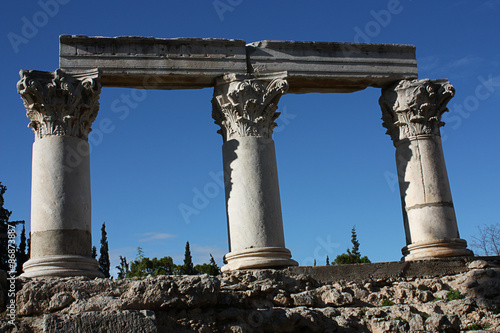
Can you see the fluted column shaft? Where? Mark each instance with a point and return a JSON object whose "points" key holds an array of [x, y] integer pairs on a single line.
{"points": [[245, 108], [61, 108], [412, 112]]}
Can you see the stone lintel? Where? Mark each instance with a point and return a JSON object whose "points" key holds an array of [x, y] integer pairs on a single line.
{"points": [[328, 67], [190, 63], [153, 63]]}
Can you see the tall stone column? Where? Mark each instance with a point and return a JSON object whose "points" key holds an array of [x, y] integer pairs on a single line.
{"points": [[245, 108], [61, 108], [412, 112]]}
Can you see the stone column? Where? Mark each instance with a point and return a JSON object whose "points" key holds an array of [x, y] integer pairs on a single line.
{"points": [[245, 108], [412, 112], [61, 108]]}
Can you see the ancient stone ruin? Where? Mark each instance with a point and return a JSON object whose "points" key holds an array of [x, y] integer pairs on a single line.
{"points": [[436, 288], [248, 81], [447, 295]]}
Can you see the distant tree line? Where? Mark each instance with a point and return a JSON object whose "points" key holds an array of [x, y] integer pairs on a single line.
{"points": [[143, 266]]}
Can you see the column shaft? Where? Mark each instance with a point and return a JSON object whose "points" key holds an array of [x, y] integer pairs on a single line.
{"points": [[60, 198], [411, 112], [61, 109], [245, 107], [253, 198]]}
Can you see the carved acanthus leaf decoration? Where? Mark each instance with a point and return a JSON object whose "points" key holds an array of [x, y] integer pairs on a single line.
{"points": [[246, 106], [58, 103], [414, 107]]}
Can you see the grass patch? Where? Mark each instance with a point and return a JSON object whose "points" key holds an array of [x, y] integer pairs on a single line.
{"points": [[454, 294], [401, 319], [363, 310], [474, 327], [387, 302], [424, 315]]}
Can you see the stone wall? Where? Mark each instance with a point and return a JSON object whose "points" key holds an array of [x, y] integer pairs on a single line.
{"points": [[398, 298]]}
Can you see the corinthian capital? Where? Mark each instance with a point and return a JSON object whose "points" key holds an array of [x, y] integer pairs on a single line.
{"points": [[58, 103], [244, 105], [414, 107]]}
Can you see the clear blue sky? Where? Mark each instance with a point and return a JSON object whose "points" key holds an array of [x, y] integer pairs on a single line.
{"points": [[336, 166]]}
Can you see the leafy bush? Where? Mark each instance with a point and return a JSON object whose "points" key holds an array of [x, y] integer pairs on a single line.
{"points": [[142, 267]]}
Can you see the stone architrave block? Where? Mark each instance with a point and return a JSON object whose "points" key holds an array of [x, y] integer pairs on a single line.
{"points": [[191, 63], [326, 67], [153, 63]]}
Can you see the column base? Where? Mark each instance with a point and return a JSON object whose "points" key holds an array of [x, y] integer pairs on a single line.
{"points": [[262, 257], [436, 249], [61, 266]]}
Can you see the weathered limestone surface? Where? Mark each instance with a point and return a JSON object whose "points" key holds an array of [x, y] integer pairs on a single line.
{"points": [[61, 109], [153, 63], [190, 63], [244, 106], [412, 112], [267, 301], [333, 67]]}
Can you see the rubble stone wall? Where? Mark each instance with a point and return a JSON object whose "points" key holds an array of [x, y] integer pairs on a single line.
{"points": [[268, 301]]}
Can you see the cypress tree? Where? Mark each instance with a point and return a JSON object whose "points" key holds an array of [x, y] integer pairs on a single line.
{"points": [[123, 268], [94, 252], [28, 247], [22, 255], [214, 269], [353, 256], [355, 243], [188, 267], [104, 263]]}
